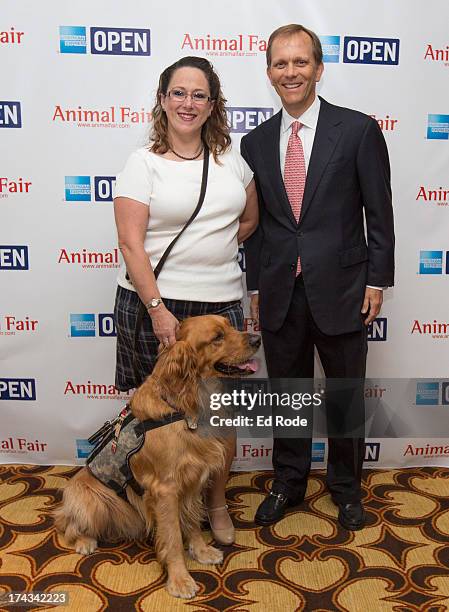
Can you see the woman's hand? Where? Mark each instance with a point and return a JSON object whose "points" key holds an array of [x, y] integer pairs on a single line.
{"points": [[165, 325]]}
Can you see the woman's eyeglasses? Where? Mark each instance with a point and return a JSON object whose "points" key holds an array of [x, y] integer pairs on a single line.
{"points": [[197, 97]]}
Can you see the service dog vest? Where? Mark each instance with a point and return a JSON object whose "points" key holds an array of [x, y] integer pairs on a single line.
{"points": [[115, 443]]}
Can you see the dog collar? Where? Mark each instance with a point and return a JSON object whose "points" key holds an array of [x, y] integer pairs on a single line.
{"points": [[191, 424]]}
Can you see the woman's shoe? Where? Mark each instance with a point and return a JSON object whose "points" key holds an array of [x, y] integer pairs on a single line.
{"points": [[222, 535]]}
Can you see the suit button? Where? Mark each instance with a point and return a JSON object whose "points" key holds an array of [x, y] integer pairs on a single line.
{"points": [[292, 266], [300, 234]]}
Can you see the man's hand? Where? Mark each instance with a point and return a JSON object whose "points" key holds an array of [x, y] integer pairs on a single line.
{"points": [[254, 307], [372, 303]]}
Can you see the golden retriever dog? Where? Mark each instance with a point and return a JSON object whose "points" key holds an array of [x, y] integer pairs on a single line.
{"points": [[174, 463]]}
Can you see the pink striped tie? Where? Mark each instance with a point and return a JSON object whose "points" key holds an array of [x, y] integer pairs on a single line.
{"points": [[295, 175]]}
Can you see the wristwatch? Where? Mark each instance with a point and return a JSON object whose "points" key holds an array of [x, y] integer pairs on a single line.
{"points": [[154, 303]]}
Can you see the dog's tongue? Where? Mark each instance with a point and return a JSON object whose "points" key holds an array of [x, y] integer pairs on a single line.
{"points": [[251, 365]]}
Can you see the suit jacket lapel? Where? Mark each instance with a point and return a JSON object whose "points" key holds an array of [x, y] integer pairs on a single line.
{"points": [[270, 145], [327, 135]]}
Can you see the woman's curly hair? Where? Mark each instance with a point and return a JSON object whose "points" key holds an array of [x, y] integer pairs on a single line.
{"points": [[215, 132]]}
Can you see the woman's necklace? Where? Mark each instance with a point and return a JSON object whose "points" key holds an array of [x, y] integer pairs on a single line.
{"points": [[188, 158]]}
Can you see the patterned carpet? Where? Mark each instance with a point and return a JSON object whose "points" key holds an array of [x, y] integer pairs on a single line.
{"points": [[400, 561]]}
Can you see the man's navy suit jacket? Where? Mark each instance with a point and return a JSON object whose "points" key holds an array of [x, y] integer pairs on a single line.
{"points": [[348, 181]]}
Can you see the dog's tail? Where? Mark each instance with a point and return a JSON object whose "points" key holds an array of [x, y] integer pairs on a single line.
{"points": [[60, 518], [90, 508]]}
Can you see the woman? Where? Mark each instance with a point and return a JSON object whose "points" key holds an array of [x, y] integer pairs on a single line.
{"points": [[155, 195]]}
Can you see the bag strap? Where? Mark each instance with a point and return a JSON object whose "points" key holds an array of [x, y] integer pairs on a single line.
{"points": [[157, 270], [167, 251]]}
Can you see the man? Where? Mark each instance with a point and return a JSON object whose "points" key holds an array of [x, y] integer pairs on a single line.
{"points": [[319, 170]]}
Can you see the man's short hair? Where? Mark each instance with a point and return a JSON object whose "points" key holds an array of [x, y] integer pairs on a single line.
{"points": [[289, 30]]}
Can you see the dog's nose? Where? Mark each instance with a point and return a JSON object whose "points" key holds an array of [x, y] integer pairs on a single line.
{"points": [[254, 340]]}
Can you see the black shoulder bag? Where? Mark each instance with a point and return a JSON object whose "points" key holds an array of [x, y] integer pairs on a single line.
{"points": [[157, 270]]}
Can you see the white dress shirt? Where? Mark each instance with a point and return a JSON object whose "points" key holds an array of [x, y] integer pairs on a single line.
{"points": [[306, 133]]}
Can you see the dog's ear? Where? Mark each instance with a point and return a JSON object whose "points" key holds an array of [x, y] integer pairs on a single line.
{"points": [[177, 369]]}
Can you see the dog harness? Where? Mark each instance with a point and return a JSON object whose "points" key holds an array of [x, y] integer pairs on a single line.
{"points": [[114, 445]]}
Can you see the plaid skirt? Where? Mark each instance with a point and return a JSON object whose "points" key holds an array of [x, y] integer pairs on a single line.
{"points": [[125, 313]]}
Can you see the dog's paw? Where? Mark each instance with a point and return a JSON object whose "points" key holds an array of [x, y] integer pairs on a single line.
{"points": [[206, 554], [85, 545], [182, 586]]}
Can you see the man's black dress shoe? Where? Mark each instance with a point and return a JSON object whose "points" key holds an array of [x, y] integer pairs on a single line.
{"points": [[351, 516], [272, 509]]}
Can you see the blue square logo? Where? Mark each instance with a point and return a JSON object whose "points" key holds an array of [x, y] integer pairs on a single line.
{"points": [[120, 41], [331, 48], [318, 449], [10, 114], [427, 393], [241, 259], [106, 325], [438, 127], [77, 189], [243, 119], [431, 262], [83, 449], [82, 325], [377, 330], [14, 257], [372, 451], [72, 39], [104, 186], [18, 389], [368, 50], [445, 393]]}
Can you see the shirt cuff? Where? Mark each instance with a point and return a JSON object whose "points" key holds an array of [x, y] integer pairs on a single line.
{"points": [[379, 288]]}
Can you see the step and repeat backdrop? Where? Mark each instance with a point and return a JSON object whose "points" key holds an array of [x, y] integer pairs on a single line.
{"points": [[77, 87]]}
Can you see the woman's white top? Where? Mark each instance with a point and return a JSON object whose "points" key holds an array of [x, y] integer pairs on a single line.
{"points": [[203, 265]]}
